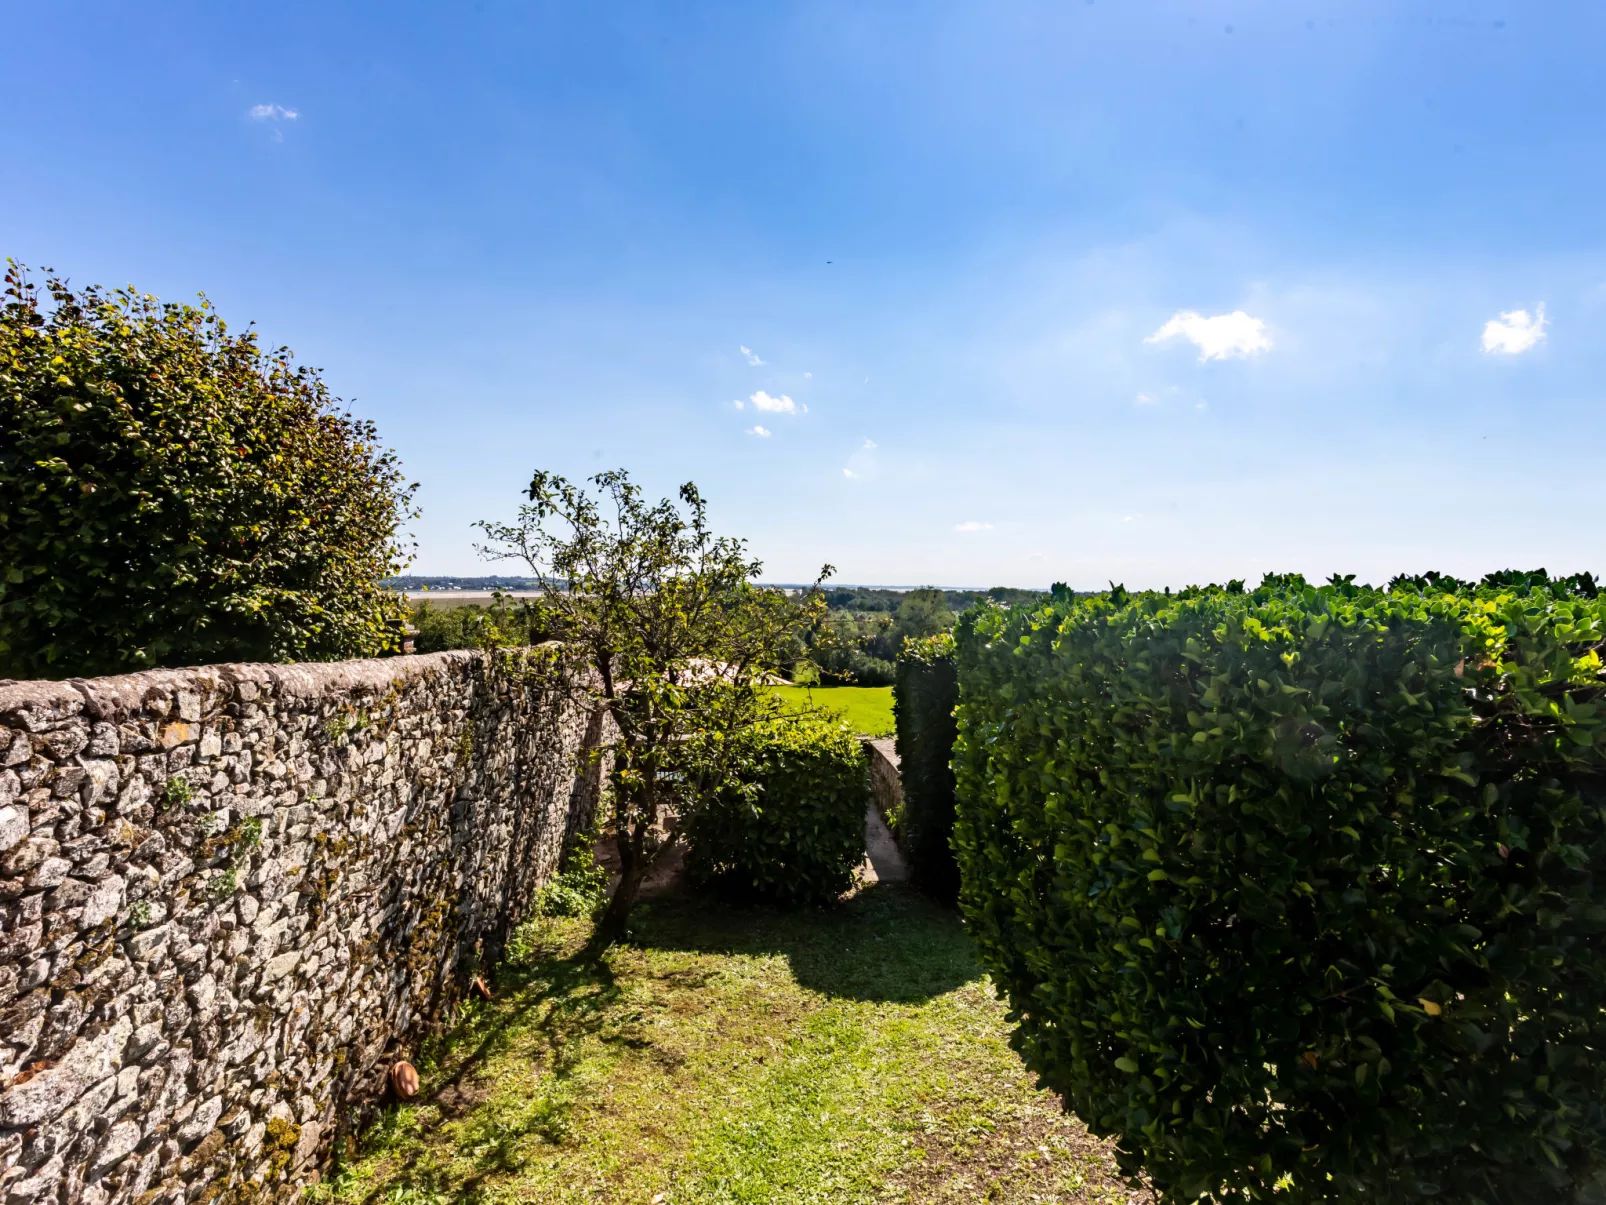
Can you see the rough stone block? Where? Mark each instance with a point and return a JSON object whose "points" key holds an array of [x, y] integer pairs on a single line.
{"points": [[210, 979]]}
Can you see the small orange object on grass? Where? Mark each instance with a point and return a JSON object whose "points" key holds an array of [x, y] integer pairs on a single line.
{"points": [[404, 1080]]}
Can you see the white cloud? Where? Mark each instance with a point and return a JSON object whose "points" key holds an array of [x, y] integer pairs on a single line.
{"points": [[1514, 332], [773, 405], [271, 113], [738, 403], [862, 464], [752, 357], [1223, 337], [1144, 399], [808, 376], [973, 525], [761, 432]]}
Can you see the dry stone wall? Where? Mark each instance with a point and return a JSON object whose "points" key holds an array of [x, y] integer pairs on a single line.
{"points": [[232, 896], [885, 785]]}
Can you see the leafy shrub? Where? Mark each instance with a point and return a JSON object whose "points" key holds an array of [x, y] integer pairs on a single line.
{"points": [[789, 826], [474, 627], [1298, 889], [580, 887], [923, 700], [171, 494], [843, 650]]}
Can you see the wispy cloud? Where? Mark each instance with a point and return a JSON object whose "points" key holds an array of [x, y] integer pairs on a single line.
{"points": [[773, 405], [271, 113], [1514, 332], [761, 432], [808, 376], [1224, 337], [752, 357], [862, 464], [1144, 399], [973, 525]]}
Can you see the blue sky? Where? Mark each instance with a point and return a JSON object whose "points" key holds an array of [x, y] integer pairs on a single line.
{"points": [[520, 236]]}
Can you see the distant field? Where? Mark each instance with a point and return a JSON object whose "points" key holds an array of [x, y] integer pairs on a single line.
{"points": [[867, 709]]}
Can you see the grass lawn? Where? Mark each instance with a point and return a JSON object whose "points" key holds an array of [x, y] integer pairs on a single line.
{"points": [[867, 708], [734, 1057]]}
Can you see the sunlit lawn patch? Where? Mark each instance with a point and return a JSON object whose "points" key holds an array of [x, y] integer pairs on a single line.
{"points": [[867, 709], [740, 1057]]}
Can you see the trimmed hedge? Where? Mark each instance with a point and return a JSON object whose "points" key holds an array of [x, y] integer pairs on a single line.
{"points": [[1296, 890], [923, 700], [790, 826], [173, 494]]}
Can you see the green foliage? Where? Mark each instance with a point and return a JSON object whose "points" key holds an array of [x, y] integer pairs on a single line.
{"points": [[1302, 885], [666, 630], [874, 598], [171, 494], [177, 792], [922, 613], [859, 648], [580, 887], [503, 624], [250, 835], [924, 698], [843, 648], [789, 824]]}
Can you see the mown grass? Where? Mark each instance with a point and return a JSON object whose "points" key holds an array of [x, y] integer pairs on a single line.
{"points": [[867, 709], [730, 1057]]}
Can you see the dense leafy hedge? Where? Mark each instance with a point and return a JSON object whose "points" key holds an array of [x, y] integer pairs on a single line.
{"points": [[923, 699], [171, 494], [790, 827], [1302, 886]]}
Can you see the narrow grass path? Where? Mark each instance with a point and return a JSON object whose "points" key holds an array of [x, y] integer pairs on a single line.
{"points": [[735, 1057]]}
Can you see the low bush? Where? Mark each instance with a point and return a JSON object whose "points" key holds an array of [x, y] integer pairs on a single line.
{"points": [[580, 888], [789, 827], [923, 700], [1298, 891]]}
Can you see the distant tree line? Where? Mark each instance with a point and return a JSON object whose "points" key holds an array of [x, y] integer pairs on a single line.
{"points": [[860, 636], [875, 598], [411, 583]]}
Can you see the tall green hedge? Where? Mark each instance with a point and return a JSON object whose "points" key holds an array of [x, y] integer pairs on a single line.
{"points": [[789, 827], [923, 699], [1301, 892], [173, 494]]}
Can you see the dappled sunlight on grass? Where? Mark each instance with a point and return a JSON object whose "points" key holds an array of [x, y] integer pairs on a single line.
{"points": [[734, 1057]]}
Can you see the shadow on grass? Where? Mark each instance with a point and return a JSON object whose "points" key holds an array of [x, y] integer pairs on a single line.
{"points": [[560, 1001], [887, 943]]}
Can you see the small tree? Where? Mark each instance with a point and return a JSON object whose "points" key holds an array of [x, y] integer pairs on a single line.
{"points": [[922, 613], [674, 636], [170, 494]]}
